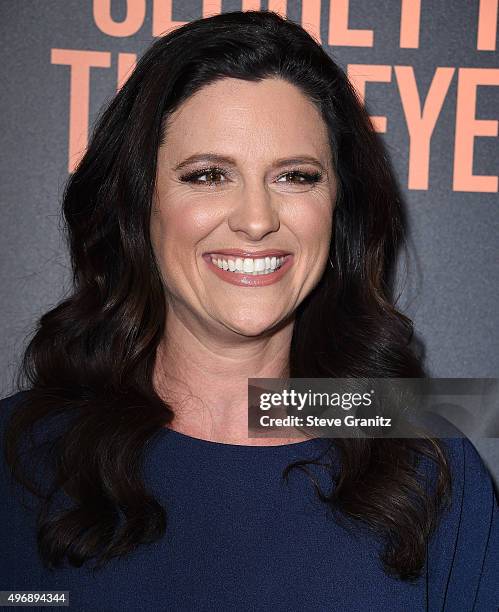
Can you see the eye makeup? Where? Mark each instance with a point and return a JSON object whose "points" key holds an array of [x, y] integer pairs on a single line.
{"points": [[304, 177]]}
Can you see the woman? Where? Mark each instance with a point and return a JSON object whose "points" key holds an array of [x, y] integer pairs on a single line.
{"points": [[236, 144]]}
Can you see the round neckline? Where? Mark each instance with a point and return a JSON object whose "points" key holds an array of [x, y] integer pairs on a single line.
{"points": [[203, 444]]}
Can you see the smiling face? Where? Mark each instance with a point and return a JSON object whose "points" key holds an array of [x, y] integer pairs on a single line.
{"points": [[245, 175]]}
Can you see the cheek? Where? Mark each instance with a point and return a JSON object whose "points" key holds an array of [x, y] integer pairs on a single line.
{"points": [[180, 226], [312, 225], [175, 234], [195, 221]]}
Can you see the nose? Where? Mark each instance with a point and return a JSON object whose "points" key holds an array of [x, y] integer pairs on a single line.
{"points": [[255, 214]]}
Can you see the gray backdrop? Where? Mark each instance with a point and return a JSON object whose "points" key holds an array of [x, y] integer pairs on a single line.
{"points": [[451, 293]]}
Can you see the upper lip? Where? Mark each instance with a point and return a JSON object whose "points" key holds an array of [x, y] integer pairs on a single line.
{"points": [[242, 253]]}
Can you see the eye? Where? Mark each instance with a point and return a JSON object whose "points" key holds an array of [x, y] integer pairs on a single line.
{"points": [[213, 176], [197, 177], [300, 177]]}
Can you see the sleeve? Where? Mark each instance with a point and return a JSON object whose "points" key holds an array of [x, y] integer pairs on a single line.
{"points": [[463, 554]]}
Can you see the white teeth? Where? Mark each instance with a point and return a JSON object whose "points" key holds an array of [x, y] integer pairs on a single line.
{"points": [[248, 265], [259, 265]]}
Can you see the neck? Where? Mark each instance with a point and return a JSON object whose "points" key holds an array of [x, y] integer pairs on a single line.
{"points": [[204, 378]]}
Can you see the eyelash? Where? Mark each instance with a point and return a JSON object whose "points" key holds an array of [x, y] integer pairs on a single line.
{"points": [[310, 177]]}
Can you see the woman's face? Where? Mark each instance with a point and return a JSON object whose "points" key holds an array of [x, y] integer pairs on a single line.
{"points": [[245, 178]]}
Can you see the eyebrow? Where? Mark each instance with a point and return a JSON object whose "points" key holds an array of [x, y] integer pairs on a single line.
{"points": [[223, 159]]}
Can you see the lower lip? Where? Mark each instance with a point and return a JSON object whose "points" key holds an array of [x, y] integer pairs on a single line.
{"points": [[250, 280]]}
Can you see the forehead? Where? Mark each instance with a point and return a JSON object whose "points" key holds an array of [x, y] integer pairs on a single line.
{"points": [[270, 114]]}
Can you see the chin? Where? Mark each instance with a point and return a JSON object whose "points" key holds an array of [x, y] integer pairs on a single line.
{"points": [[252, 328]]}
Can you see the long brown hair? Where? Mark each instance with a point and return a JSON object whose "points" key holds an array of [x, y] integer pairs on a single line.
{"points": [[90, 362]]}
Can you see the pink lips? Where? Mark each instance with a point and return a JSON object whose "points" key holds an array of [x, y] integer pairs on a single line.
{"points": [[253, 254], [250, 280]]}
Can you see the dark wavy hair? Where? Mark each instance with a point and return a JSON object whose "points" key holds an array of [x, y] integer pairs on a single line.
{"points": [[90, 362]]}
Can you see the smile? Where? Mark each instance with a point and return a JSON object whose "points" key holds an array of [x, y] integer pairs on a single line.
{"points": [[249, 271], [248, 265]]}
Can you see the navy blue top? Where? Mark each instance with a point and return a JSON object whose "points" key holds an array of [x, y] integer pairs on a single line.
{"points": [[240, 538]]}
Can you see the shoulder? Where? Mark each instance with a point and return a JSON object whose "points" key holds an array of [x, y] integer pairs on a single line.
{"points": [[31, 453], [470, 476], [463, 556], [8, 403], [472, 485], [7, 409]]}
